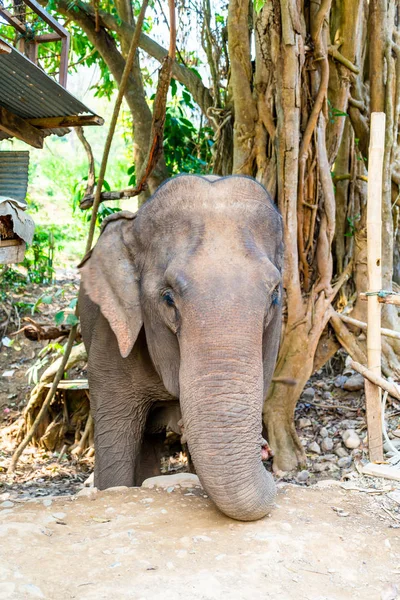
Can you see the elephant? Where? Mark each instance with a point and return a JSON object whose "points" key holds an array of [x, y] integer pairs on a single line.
{"points": [[180, 307]]}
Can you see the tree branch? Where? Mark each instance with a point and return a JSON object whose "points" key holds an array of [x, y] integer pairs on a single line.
{"points": [[89, 153], [334, 52], [201, 94], [84, 15]]}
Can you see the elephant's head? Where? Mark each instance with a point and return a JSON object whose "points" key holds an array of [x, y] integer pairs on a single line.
{"points": [[200, 268]]}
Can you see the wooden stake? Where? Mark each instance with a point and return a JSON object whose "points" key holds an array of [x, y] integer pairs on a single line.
{"points": [[374, 241]]}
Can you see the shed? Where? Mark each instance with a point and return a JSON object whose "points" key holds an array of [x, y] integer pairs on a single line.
{"points": [[32, 106], [16, 226]]}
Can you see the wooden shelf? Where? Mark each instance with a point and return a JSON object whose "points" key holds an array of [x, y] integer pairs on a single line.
{"points": [[11, 242], [12, 253]]}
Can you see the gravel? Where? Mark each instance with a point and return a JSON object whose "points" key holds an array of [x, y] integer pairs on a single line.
{"points": [[308, 394], [339, 381], [340, 452]]}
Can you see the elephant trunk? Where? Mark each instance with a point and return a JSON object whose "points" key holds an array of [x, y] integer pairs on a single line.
{"points": [[221, 395]]}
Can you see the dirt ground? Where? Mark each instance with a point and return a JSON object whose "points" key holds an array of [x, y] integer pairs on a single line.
{"points": [[320, 543]]}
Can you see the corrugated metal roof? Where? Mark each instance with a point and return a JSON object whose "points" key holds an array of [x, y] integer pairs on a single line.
{"points": [[30, 93], [14, 174]]}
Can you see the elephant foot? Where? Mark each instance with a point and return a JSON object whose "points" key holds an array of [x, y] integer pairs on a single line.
{"points": [[266, 451]]}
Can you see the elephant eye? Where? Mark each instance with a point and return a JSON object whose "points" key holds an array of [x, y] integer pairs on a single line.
{"points": [[168, 298]]}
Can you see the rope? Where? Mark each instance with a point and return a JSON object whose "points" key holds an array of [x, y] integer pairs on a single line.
{"points": [[381, 293]]}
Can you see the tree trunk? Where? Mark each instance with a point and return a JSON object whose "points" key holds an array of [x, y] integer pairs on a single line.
{"points": [[241, 76]]}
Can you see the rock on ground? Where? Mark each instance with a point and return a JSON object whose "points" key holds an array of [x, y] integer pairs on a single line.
{"points": [[327, 444], [354, 383], [314, 447], [183, 480], [351, 439]]}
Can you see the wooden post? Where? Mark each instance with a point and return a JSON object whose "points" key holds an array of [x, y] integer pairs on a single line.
{"points": [[374, 241]]}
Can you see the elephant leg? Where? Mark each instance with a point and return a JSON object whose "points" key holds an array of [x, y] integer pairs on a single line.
{"points": [[149, 462], [118, 440], [122, 392]]}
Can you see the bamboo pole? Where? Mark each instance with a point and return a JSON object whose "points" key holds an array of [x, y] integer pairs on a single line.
{"points": [[361, 325], [374, 253]]}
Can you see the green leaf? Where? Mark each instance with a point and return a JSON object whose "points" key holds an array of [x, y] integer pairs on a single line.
{"points": [[47, 299], [174, 88], [59, 317], [195, 71], [258, 5], [71, 320], [73, 303], [187, 97], [339, 113], [186, 122], [36, 305]]}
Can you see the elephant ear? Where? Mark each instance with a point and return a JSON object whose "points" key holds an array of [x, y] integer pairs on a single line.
{"points": [[110, 280]]}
